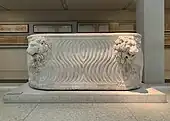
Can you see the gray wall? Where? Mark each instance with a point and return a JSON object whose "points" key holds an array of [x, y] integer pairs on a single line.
{"points": [[13, 64], [48, 16]]}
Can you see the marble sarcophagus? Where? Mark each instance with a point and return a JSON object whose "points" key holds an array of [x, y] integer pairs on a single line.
{"points": [[85, 61]]}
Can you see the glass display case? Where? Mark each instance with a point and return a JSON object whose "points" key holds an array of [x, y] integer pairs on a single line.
{"points": [[107, 27], [57, 28]]}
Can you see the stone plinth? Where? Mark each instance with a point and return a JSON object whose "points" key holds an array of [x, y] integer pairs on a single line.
{"points": [[25, 94]]}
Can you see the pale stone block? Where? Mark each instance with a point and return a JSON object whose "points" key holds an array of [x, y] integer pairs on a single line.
{"points": [[92, 61], [26, 94]]}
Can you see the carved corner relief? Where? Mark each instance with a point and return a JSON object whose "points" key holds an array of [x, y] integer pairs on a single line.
{"points": [[38, 50], [126, 48]]}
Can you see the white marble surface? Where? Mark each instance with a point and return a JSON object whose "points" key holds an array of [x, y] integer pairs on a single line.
{"points": [[92, 61]]}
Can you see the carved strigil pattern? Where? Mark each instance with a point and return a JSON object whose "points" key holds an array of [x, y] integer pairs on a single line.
{"points": [[80, 61]]}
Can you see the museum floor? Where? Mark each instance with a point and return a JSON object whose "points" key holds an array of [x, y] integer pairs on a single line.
{"points": [[86, 111]]}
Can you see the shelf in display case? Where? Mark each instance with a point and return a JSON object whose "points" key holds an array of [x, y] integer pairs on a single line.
{"points": [[107, 27], [14, 28], [52, 28], [93, 27], [11, 42], [122, 27], [167, 39]]}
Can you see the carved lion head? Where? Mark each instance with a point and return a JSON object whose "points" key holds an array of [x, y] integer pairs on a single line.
{"points": [[38, 46], [38, 50]]}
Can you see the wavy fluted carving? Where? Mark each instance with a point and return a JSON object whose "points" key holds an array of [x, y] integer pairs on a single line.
{"points": [[85, 63]]}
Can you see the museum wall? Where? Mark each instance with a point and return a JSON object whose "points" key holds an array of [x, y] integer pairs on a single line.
{"points": [[38, 16], [13, 63]]}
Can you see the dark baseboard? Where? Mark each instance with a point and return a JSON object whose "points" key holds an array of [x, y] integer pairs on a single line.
{"points": [[167, 80], [13, 80]]}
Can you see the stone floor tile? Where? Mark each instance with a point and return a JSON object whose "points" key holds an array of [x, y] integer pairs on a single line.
{"points": [[80, 112], [149, 111], [15, 112]]}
